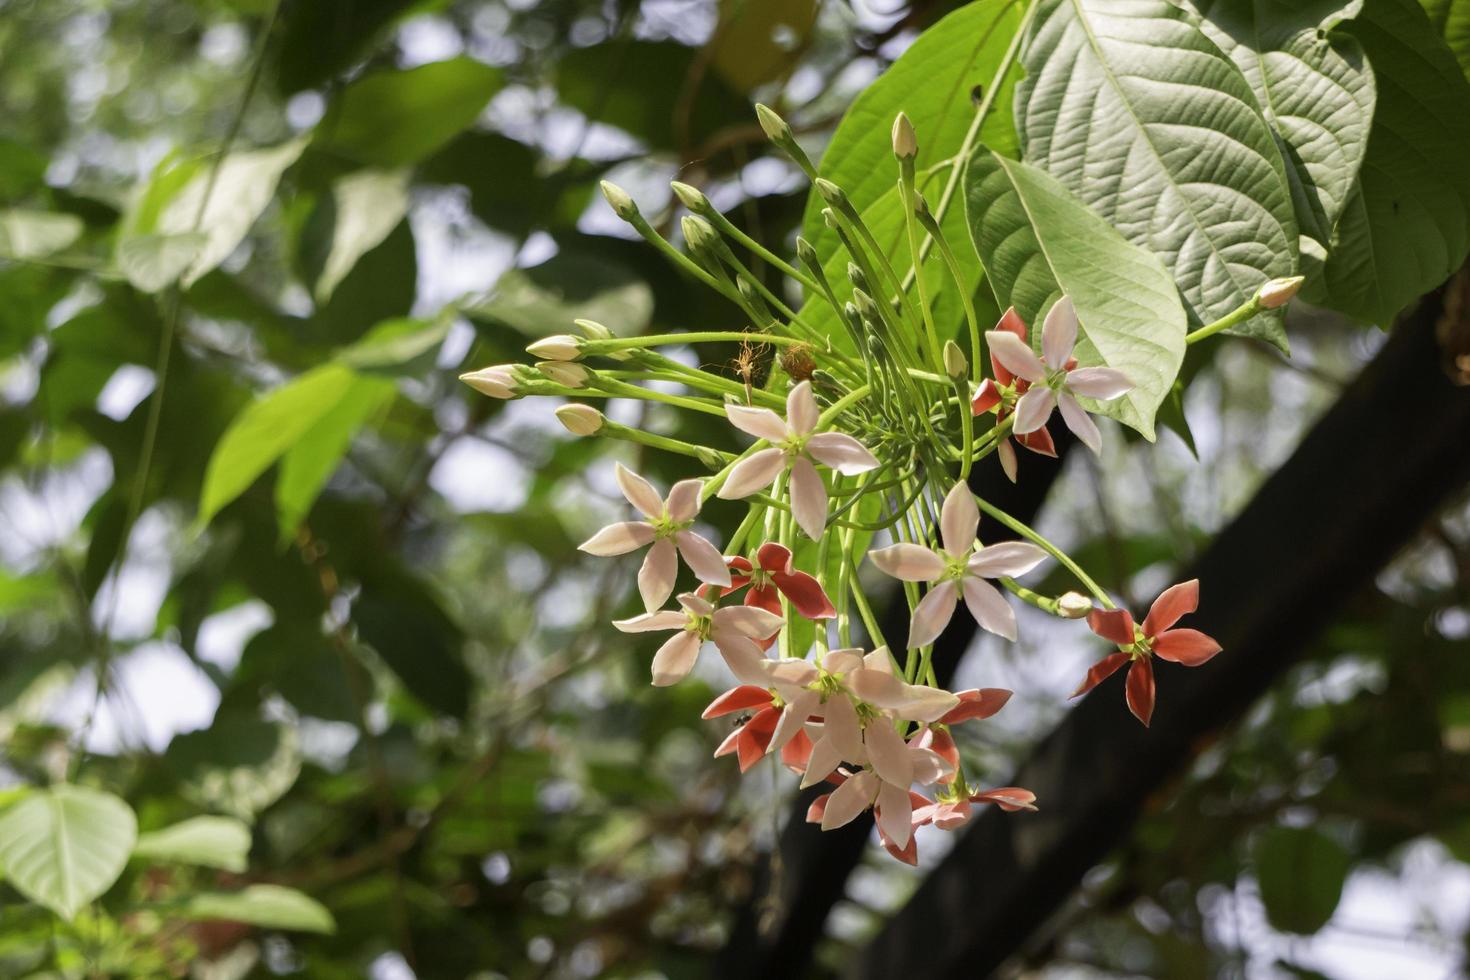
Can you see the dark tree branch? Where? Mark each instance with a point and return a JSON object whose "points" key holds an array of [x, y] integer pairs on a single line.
{"points": [[1362, 484]]}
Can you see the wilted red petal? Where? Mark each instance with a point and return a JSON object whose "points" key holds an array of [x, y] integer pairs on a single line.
{"points": [[987, 396], [942, 743], [755, 736], [1039, 441], [738, 699], [977, 703], [1010, 798], [1112, 624], [1010, 321], [1100, 672], [1140, 690], [1185, 646], [1174, 602], [796, 753], [764, 597], [805, 593], [774, 557], [818, 807]]}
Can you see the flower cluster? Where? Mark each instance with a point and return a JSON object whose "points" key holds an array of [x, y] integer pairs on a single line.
{"points": [[857, 453]]}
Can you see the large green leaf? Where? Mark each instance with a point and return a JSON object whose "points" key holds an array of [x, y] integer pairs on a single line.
{"points": [[1301, 872], [1315, 87], [394, 118], [64, 846], [1452, 19], [267, 906], [1137, 112], [1407, 227], [1039, 242], [30, 234], [573, 284], [367, 205], [210, 842], [237, 766]]}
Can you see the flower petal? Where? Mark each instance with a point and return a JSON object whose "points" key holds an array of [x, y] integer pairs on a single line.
{"points": [[1140, 690], [745, 660], [1007, 454], [759, 422], [977, 703], [683, 501], [941, 743], [1080, 423], [843, 661], [618, 539], [1059, 333], [774, 557], [744, 621], [1009, 558], [1007, 798], [1102, 383], [819, 765], [764, 597], [808, 498], [697, 604], [1033, 410], [989, 607], [840, 727], [1174, 603], [895, 812], [656, 577], [806, 594], [640, 492], [790, 676], [703, 558], [664, 619], [888, 753], [924, 704], [675, 658], [932, 614], [1185, 646], [986, 397], [850, 799], [755, 472], [841, 452], [755, 737], [801, 409], [875, 687], [1011, 322], [793, 719], [958, 520], [1100, 672], [1016, 355], [1112, 624], [737, 699], [909, 562], [1039, 442], [795, 753]]}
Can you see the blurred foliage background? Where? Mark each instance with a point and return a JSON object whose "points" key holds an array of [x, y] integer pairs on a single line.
{"points": [[383, 652]]}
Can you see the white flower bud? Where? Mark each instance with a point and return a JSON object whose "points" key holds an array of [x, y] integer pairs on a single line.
{"points": [[618, 199], [498, 381], [568, 373], [1278, 292], [580, 420], [955, 364], [905, 143], [697, 232], [776, 129], [562, 347], [593, 330], [691, 197], [1073, 605], [830, 192]]}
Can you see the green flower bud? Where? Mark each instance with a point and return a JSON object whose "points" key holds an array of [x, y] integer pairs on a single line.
{"points": [[619, 200], [905, 143], [580, 420]]}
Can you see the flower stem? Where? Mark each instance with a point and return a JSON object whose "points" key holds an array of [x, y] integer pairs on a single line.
{"points": [[1238, 315], [1049, 548]]}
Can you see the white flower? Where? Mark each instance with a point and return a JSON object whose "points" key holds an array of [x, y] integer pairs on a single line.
{"points": [[497, 381], [1053, 382], [794, 446], [732, 629], [959, 567], [667, 529]]}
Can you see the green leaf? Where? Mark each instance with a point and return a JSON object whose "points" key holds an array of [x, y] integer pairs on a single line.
{"points": [[368, 205], [394, 343], [1139, 114], [27, 234], [570, 285], [64, 846], [1315, 88], [267, 906], [210, 842], [322, 39], [309, 463], [931, 82], [1407, 227], [395, 118], [266, 430], [237, 766], [1301, 872], [756, 40], [1039, 242], [153, 262], [1451, 18], [400, 618]]}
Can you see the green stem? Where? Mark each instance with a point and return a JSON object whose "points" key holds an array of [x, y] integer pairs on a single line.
{"points": [[1238, 315], [1049, 548]]}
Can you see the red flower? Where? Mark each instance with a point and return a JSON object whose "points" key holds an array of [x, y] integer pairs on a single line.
{"points": [[1001, 394], [753, 738], [772, 577], [1183, 646]]}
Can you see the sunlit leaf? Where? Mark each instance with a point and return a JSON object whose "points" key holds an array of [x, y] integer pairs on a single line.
{"points": [[209, 842], [26, 234], [64, 846], [367, 205], [267, 906], [236, 766], [153, 262]]}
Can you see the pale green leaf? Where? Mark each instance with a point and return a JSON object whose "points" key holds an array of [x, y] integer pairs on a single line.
{"points": [[395, 118], [64, 846], [395, 342], [153, 262], [236, 766], [1039, 242], [266, 906], [1301, 872], [1140, 115], [266, 430], [570, 285], [1407, 227], [368, 205], [29, 234], [209, 842], [308, 464]]}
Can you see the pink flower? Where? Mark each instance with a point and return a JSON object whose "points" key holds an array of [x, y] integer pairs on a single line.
{"points": [[772, 576], [734, 630], [953, 814], [958, 567], [1053, 384], [754, 737], [667, 529], [1001, 393], [1138, 645], [794, 446], [868, 678]]}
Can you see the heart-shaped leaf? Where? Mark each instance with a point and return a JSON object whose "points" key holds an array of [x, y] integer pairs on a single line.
{"points": [[65, 846]]}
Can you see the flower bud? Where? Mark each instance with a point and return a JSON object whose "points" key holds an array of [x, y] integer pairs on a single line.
{"points": [[498, 381], [1278, 292], [579, 419], [857, 277], [1073, 605], [829, 218], [905, 143], [562, 347], [593, 330], [830, 192], [619, 200], [567, 373], [806, 253], [921, 206], [710, 458], [691, 197], [698, 233], [955, 364], [776, 129]]}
